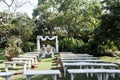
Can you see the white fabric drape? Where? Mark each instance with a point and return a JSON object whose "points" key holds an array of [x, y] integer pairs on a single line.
{"points": [[45, 38]]}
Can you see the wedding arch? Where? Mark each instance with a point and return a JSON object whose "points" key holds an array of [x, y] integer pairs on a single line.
{"points": [[47, 38]]}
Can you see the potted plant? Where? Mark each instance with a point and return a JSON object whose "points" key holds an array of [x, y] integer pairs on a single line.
{"points": [[14, 47], [8, 53]]}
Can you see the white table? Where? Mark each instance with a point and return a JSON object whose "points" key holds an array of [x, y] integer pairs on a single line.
{"points": [[29, 60], [7, 75], [73, 61], [33, 53], [79, 58], [74, 55], [53, 73], [29, 56], [87, 65], [66, 53], [83, 55], [102, 74], [7, 63]]}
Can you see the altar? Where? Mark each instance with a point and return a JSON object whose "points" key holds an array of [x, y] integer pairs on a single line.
{"points": [[48, 50]]}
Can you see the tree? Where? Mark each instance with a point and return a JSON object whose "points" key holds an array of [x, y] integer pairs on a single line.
{"points": [[23, 26], [12, 6], [44, 16], [69, 16], [80, 17], [75, 19], [107, 34]]}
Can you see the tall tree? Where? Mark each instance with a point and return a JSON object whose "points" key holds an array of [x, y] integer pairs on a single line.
{"points": [[44, 15], [107, 35], [11, 7], [70, 16], [80, 17], [22, 26]]}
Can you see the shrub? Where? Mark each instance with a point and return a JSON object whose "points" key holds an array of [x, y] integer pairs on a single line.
{"points": [[70, 44], [84, 48], [28, 46], [107, 48]]}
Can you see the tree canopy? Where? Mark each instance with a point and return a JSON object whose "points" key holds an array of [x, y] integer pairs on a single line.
{"points": [[107, 34]]}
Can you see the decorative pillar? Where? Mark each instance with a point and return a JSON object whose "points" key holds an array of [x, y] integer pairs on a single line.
{"points": [[57, 49], [38, 44]]}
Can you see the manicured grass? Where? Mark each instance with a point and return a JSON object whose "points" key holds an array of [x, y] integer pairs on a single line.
{"points": [[50, 63], [45, 64], [2, 55], [111, 59]]}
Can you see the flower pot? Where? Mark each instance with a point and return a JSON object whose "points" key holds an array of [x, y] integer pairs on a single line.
{"points": [[10, 56]]}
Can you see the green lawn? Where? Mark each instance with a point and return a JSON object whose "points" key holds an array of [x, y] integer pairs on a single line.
{"points": [[111, 59], [49, 63], [1, 50], [2, 57]]}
